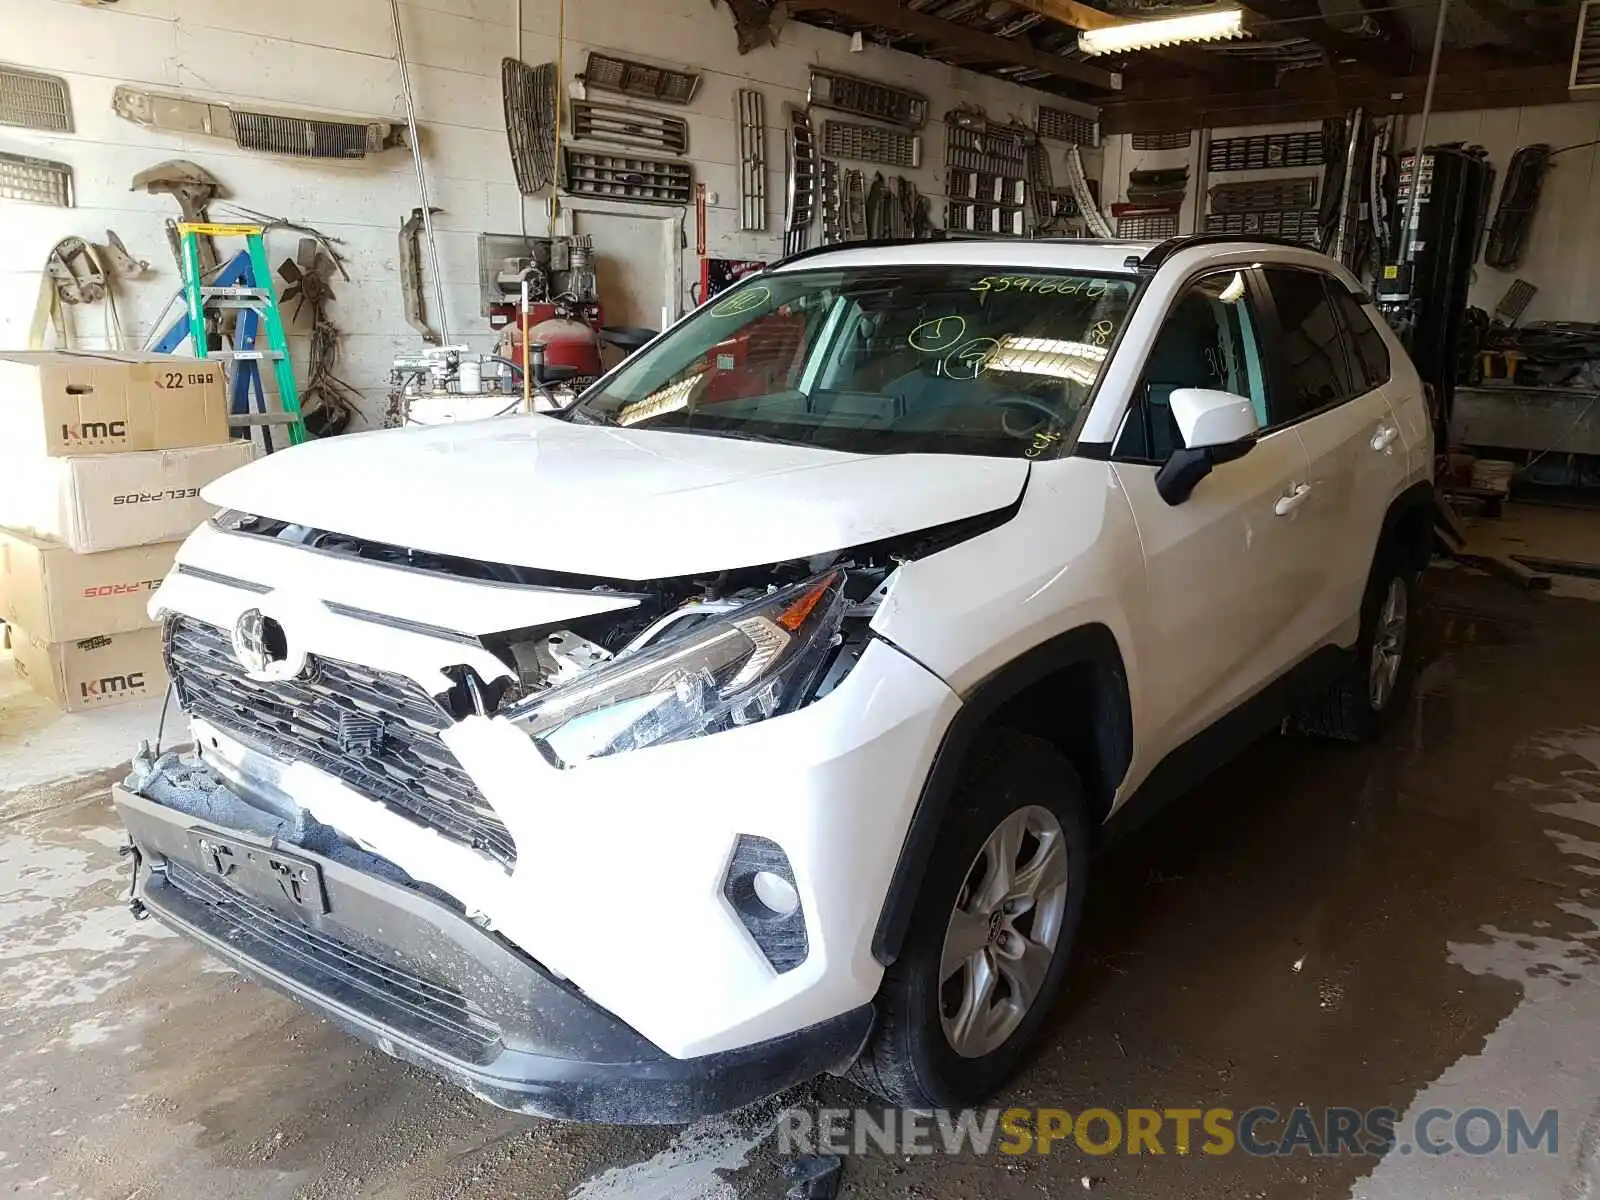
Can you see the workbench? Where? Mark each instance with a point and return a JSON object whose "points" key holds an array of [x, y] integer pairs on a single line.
{"points": [[1554, 419]]}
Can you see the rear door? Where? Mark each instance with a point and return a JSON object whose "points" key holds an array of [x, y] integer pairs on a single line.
{"points": [[1333, 378], [1227, 571]]}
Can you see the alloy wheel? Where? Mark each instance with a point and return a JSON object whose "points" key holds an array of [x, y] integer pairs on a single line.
{"points": [[1388, 645], [1003, 930]]}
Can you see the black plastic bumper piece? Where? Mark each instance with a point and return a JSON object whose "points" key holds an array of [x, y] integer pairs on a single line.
{"points": [[414, 977]]}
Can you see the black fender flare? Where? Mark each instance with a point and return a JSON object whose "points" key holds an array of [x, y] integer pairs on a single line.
{"points": [[1087, 644], [1419, 496]]}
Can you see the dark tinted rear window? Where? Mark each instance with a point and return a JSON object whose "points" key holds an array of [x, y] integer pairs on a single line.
{"points": [[1311, 350], [1371, 354]]}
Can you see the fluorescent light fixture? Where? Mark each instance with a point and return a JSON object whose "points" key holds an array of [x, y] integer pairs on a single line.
{"points": [[1221, 24], [1077, 361]]}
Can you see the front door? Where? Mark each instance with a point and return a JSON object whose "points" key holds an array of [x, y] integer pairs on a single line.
{"points": [[1229, 572]]}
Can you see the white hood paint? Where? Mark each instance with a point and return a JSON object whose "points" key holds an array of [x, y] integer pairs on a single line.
{"points": [[623, 503]]}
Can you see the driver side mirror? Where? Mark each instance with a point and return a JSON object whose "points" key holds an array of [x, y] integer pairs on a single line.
{"points": [[1217, 427]]}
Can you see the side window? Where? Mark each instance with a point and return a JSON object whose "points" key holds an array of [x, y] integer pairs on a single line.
{"points": [[1208, 340], [1366, 343], [1316, 372]]}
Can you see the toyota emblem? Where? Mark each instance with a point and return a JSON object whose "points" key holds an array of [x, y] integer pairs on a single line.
{"points": [[262, 647]]}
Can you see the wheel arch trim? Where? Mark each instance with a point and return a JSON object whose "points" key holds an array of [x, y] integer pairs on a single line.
{"points": [[1092, 644], [1418, 497]]}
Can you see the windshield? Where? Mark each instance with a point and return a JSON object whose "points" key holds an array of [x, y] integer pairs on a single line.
{"points": [[886, 360]]}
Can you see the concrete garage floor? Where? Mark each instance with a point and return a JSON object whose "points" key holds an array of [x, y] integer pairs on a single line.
{"points": [[1413, 924]]}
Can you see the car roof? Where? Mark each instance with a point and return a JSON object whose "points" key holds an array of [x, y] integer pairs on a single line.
{"points": [[1077, 254], [1108, 256]]}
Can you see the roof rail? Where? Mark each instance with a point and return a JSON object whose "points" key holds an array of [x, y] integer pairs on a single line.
{"points": [[1153, 260], [866, 244]]}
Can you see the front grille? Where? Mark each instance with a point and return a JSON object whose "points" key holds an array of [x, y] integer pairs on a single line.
{"points": [[298, 136], [871, 143], [434, 1014], [34, 101], [408, 768]]}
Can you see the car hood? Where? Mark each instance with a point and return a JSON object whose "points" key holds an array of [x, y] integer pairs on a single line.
{"points": [[620, 503]]}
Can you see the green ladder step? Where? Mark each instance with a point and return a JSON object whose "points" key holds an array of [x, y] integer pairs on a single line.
{"points": [[263, 297]]}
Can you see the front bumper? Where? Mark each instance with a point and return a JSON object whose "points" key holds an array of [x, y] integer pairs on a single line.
{"points": [[620, 875], [416, 978]]}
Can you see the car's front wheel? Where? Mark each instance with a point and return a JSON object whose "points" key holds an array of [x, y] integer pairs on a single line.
{"points": [[988, 946]]}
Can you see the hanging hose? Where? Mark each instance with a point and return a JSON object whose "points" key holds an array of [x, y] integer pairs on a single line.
{"points": [[1519, 199]]}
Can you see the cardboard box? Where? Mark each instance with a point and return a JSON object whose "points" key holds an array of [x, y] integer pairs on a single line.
{"points": [[96, 672], [60, 596], [60, 402], [108, 501]]}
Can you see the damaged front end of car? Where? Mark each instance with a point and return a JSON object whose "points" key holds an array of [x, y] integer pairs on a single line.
{"points": [[414, 803]]}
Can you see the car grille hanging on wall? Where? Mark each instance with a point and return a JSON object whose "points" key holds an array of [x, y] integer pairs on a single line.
{"points": [[752, 114], [866, 98], [1259, 151], [639, 80], [271, 131], [636, 128], [35, 180], [1172, 140], [30, 100], [1063, 125], [626, 177], [529, 95], [871, 143], [802, 181]]}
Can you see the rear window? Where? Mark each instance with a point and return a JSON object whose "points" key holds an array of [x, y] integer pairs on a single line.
{"points": [[1367, 345]]}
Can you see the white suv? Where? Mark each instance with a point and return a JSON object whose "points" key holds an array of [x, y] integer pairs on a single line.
{"points": [[757, 715]]}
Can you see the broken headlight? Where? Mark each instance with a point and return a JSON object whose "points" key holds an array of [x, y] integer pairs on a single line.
{"points": [[734, 668]]}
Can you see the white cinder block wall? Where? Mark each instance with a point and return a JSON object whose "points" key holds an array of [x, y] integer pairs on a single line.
{"points": [[1559, 256], [339, 56]]}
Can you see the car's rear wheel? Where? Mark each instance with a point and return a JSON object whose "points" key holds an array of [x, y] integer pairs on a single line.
{"points": [[1359, 703], [988, 946]]}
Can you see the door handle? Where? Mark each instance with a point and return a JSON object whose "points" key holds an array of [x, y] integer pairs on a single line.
{"points": [[1287, 504], [1385, 437]]}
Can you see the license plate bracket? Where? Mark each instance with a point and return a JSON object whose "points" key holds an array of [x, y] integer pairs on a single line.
{"points": [[271, 876]]}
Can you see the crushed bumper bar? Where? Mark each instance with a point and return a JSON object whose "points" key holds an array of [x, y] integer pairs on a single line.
{"points": [[415, 977]]}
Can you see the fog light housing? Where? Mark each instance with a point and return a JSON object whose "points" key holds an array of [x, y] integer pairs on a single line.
{"points": [[761, 888]]}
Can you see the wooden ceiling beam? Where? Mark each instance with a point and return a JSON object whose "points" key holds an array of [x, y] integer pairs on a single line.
{"points": [[1012, 51], [1295, 18], [1312, 95], [1514, 27]]}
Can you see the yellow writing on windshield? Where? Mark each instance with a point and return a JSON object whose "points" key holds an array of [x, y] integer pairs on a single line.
{"points": [[1042, 285], [938, 335], [743, 301]]}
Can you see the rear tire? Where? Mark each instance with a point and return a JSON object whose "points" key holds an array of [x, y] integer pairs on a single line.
{"points": [[988, 945], [1358, 705]]}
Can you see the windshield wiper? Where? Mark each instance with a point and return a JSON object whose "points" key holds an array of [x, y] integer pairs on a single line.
{"points": [[732, 434]]}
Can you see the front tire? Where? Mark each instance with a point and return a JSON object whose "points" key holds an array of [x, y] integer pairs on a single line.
{"points": [[989, 942], [1359, 703]]}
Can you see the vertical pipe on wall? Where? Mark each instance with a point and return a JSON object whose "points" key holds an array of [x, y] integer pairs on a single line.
{"points": [[522, 203], [1407, 249], [561, 86], [422, 177]]}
